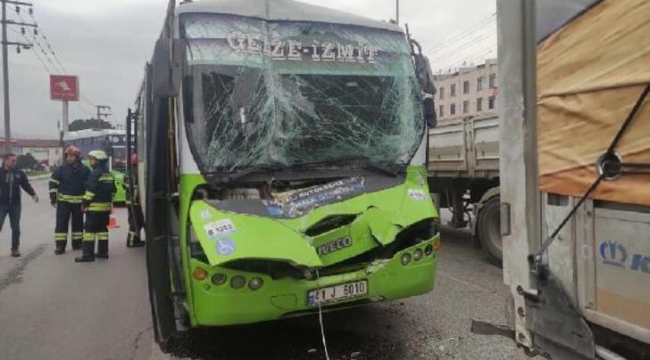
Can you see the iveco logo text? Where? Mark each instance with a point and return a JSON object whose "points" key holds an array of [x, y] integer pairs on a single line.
{"points": [[335, 245], [615, 254]]}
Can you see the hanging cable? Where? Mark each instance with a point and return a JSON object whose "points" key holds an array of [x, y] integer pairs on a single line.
{"points": [[320, 319]]}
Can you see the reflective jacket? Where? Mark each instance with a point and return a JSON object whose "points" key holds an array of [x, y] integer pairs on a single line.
{"points": [[100, 189], [68, 183], [136, 193]]}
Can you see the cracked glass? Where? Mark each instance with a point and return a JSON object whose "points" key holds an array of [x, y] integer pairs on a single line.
{"points": [[285, 93]]}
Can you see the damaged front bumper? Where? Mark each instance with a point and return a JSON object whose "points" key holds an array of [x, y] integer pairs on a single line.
{"points": [[225, 296]]}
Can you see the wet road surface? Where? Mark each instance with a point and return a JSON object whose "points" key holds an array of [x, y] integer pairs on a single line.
{"points": [[52, 308]]}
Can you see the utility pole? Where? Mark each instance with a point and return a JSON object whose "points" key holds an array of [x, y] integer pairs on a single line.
{"points": [[397, 12], [5, 62], [104, 114]]}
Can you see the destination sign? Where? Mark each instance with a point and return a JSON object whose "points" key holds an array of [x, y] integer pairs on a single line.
{"points": [[292, 50]]}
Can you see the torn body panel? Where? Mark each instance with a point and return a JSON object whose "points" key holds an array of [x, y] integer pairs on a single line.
{"points": [[324, 236], [326, 248]]}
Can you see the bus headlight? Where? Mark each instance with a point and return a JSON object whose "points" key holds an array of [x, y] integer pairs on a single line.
{"points": [[238, 282], [200, 274], [255, 283], [219, 279], [418, 254], [428, 250], [406, 259]]}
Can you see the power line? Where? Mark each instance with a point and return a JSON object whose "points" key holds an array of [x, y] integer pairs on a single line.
{"points": [[50, 59], [463, 45], [45, 67], [87, 100], [53, 55], [48, 44], [40, 47], [468, 39], [454, 39], [84, 110], [478, 45], [466, 45]]}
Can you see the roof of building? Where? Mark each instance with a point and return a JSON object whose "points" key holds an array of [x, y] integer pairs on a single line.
{"points": [[88, 133], [282, 10], [37, 143], [464, 69]]}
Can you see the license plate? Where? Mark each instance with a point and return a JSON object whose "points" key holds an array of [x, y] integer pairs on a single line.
{"points": [[337, 293]]}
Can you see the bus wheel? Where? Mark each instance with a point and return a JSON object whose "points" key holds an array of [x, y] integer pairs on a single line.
{"points": [[488, 228]]}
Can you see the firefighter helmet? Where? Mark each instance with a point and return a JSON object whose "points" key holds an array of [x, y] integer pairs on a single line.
{"points": [[73, 150], [98, 154]]}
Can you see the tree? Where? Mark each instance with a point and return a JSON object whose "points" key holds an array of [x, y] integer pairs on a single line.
{"points": [[83, 124], [26, 162]]}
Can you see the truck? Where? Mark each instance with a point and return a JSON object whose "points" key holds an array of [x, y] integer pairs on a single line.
{"points": [[282, 164], [463, 175], [575, 169]]}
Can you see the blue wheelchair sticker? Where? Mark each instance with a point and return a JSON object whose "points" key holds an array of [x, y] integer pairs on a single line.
{"points": [[225, 247]]}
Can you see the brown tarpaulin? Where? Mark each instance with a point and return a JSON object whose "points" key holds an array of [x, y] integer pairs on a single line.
{"points": [[590, 74]]}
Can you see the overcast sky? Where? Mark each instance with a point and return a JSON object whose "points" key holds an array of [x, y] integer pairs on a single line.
{"points": [[106, 43]]}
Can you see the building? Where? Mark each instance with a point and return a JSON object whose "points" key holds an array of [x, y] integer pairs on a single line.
{"points": [[46, 152], [470, 91]]}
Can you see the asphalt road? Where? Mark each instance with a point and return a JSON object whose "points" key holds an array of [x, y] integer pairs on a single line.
{"points": [[52, 308]]}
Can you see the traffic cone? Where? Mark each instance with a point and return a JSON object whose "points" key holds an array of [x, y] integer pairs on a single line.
{"points": [[112, 222]]}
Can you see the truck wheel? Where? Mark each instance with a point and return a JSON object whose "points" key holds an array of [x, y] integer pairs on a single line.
{"points": [[488, 228]]}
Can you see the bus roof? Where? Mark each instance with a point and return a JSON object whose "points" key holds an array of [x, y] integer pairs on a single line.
{"points": [[89, 133], [282, 10]]}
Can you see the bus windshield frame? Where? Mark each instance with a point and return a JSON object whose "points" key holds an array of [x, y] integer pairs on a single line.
{"points": [[259, 93]]}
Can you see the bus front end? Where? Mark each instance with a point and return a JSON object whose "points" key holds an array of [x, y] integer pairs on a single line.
{"points": [[301, 153]]}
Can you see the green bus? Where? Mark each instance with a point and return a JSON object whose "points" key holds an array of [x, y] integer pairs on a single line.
{"points": [[282, 150], [119, 199], [113, 142]]}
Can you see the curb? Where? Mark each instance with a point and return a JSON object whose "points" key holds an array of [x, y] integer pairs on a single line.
{"points": [[38, 177]]}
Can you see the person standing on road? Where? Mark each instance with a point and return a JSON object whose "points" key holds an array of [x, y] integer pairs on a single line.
{"points": [[67, 188], [136, 217], [11, 180], [100, 190]]}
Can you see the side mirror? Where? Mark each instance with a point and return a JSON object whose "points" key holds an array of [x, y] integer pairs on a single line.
{"points": [[430, 115], [167, 67], [425, 77]]}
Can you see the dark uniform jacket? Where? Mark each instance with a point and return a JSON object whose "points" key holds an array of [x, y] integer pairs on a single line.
{"points": [[100, 189], [10, 184], [68, 183]]}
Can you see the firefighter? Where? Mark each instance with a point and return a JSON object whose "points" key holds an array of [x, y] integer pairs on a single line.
{"points": [[100, 190], [67, 187], [136, 217]]}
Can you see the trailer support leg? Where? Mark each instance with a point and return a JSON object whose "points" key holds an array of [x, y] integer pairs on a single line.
{"points": [[458, 209]]}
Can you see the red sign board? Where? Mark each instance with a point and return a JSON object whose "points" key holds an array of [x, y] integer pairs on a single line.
{"points": [[64, 87]]}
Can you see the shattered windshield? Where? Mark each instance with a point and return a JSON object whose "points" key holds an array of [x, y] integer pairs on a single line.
{"points": [[279, 93]]}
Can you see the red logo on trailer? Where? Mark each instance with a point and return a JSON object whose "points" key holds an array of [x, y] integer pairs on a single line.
{"points": [[64, 87]]}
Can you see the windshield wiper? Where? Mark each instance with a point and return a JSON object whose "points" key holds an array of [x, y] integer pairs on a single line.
{"points": [[364, 161]]}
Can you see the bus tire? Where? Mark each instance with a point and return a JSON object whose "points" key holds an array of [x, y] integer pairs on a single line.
{"points": [[488, 229]]}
